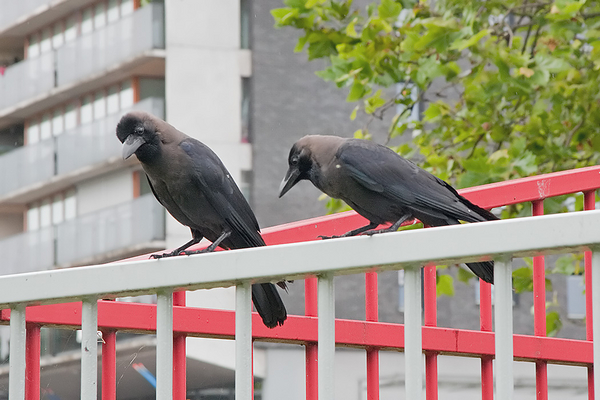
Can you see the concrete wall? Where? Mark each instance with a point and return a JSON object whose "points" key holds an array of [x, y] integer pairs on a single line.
{"points": [[458, 377]]}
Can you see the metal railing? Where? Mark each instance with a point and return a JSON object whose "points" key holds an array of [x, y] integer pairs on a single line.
{"points": [[84, 146], [500, 240]]}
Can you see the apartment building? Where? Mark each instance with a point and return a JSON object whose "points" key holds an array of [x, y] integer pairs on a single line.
{"points": [[219, 71]]}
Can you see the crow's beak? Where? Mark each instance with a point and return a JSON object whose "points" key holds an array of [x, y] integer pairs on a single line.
{"points": [[131, 144], [291, 178]]}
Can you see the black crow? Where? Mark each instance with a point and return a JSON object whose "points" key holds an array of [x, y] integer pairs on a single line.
{"points": [[192, 183], [381, 186]]}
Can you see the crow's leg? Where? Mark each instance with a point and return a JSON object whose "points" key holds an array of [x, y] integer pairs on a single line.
{"points": [[212, 246], [177, 250], [354, 232], [392, 228]]}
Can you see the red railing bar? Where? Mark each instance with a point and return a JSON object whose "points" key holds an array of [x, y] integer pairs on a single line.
{"points": [[32, 362], [589, 203], [539, 311], [109, 364], [430, 319], [372, 315], [179, 356], [311, 349], [485, 325], [300, 329]]}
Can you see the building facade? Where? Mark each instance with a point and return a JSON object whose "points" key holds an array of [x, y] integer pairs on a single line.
{"points": [[219, 71]]}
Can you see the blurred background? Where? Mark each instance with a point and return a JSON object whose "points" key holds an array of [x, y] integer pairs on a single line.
{"points": [[219, 71]]}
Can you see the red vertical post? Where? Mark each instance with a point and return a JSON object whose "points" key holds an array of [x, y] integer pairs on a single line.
{"points": [[589, 203], [311, 310], [485, 324], [372, 314], [539, 311], [179, 358], [109, 364], [32, 362], [430, 319]]}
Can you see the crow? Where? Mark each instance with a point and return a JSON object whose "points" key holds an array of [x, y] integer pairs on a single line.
{"points": [[381, 186], [192, 183]]}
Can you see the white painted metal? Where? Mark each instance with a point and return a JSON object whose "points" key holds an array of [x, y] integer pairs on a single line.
{"points": [[243, 342], [503, 327], [596, 319], [164, 345], [16, 378], [326, 347], [89, 349], [413, 347], [520, 237]]}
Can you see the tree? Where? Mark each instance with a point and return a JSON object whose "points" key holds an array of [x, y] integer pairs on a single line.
{"points": [[511, 87]]}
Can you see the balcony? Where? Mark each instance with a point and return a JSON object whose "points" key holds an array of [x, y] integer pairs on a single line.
{"points": [[118, 43], [89, 149], [128, 46], [130, 228], [15, 11]]}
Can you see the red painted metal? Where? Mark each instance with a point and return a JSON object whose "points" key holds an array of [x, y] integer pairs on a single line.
{"points": [[589, 203], [311, 350], [179, 356], [372, 315], [485, 325], [430, 319], [109, 364], [32, 362], [539, 311], [370, 335]]}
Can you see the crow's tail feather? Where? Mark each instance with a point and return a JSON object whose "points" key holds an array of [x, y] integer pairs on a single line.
{"points": [[483, 269], [269, 305]]}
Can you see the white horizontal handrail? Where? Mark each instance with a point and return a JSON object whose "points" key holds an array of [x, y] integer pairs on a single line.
{"points": [[527, 236]]}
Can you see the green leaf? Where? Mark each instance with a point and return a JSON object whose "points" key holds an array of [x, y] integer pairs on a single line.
{"points": [[357, 91], [523, 279], [445, 285], [353, 115], [553, 323], [461, 44], [284, 16], [389, 9], [464, 275]]}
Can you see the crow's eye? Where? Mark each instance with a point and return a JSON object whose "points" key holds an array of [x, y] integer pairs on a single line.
{"points": [[139, 130], [294, 161]]}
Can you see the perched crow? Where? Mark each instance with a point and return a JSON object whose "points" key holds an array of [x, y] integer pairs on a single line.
{"points": [[192, 183], [381, 186]]}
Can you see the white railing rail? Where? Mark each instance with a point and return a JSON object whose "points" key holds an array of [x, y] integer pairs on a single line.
{"points": [[500, 240]]}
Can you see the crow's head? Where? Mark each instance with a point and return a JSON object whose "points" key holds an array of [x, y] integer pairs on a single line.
{"points": [[139, 135]]}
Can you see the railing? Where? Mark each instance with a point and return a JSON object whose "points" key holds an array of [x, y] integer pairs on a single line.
{"points": [[27, 79], [84, 146], [121, 229], [500, 240], [109, 230], [12, 11], [89, 55], [119, 42], [96, 142]]}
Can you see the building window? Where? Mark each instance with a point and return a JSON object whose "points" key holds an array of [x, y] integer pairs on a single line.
{"points": [[245, 110], [99, 106], [86, 113], [46, 42], [52, 210], [86, 21], [33, 132], [99, 16], [112, 100], [245, 24], [127, 7], [71, 28], [33, 49], [70, 116], [126, 95], [112, 13], [45, 127], [58, 37], [58, 125]]}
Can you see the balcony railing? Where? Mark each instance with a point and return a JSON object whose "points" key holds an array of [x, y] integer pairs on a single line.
{"points": [[88, 55], [96, 142], [26, 79], [85, 146], [118, 229], [119, 42], [15, 10], [110, 230], [27, 252]]}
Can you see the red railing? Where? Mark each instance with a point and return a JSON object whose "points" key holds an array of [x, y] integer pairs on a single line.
{"points": [[370, 334]]}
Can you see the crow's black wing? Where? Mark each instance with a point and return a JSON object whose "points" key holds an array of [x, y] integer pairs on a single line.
{"points": [[381, 170], [212, 179]]}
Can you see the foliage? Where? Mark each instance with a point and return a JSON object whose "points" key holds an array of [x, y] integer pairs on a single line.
{"points": [[510, 87]]}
